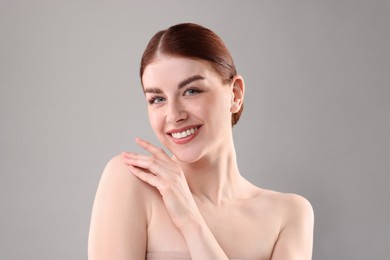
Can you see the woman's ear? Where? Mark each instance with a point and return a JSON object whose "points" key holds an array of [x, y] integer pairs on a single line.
{"points": [[238, 90]]}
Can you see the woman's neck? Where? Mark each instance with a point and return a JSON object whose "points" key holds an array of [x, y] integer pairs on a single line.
{"points": [[214, 178]]}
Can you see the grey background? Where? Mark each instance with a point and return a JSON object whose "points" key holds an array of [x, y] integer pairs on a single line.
{"points": [[316, 119]]}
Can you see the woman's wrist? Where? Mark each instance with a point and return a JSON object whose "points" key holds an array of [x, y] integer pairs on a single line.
{"points": [[200, 241], [193, 226]]}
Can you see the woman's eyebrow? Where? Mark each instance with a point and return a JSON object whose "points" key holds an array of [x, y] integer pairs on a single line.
{"points": [[189, 80], [181, 84], [153, 90]]}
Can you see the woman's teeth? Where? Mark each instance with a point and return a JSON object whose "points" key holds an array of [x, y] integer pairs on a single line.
{"points": [[184, 133]]}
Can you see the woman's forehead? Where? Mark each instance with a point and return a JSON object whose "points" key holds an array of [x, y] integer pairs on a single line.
{"points": [[171, 69]]}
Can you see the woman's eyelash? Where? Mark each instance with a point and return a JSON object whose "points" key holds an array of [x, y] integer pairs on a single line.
{"points": [[188, 92], [155, 100], [192, 91]]}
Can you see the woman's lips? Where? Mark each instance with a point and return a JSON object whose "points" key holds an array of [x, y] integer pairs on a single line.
{"points": [[184, 135]]}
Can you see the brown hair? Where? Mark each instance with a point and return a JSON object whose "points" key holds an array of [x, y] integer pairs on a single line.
{"points": [[196, 42]]}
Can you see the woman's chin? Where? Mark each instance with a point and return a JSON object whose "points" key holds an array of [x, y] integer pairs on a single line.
{"points": [[185, 154], [188, 157]]}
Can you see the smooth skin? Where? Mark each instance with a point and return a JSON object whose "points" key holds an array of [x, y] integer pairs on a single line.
{"points": [[196, 200]]}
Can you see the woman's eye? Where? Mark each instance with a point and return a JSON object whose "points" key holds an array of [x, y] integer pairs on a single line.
{"points": [[156, 100], [191, 92]]}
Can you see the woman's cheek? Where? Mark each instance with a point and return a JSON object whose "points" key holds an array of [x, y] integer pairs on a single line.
{"points": [[155, 120]]}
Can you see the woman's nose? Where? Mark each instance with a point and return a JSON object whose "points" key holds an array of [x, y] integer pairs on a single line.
{"points": [[176, 112]]}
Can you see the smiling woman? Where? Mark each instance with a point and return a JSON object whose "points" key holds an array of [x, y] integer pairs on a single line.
{"points": [[194, 204]]}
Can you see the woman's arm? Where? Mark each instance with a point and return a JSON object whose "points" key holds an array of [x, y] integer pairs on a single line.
{"points": [[159, 171], [119, 216], [295, 240], [201, 242]]}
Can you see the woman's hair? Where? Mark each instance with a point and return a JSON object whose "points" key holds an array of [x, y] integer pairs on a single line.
{"points": [[196, 42]]}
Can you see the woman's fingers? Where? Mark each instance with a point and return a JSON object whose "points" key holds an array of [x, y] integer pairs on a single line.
{"points": [[152, 164], [163, 173], [134, 155], [144, 176], [157, 164], [154, 150], [143, 162]]}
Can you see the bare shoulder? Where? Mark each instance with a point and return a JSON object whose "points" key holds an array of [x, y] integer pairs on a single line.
{"points": [[119, 187], [289, 204], [116, 168], [297, 208], [117, 176], [296, 218], [120, 214]]}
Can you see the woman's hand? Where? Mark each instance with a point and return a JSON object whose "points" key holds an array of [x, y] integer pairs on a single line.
{"points": [[161, 172]]}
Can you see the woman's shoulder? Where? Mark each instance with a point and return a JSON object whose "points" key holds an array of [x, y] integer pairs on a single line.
{"points": [[117, 174], [120, 210], [284, 199], [289, 206], [293, 216], [119, 183]]}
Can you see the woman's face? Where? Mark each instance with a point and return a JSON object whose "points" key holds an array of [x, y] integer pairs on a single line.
{"points": [[189, 107]]}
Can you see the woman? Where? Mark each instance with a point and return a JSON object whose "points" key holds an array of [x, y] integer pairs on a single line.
{"points": [[193, 204]]}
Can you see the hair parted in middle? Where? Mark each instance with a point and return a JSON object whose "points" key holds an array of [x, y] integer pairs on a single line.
{"points": [[192, 41]]}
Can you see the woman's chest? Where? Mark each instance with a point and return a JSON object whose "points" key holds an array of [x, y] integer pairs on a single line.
{"points": [[242, 233]]}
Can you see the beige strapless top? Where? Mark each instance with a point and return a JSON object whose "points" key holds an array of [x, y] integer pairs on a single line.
{"points": [[172, 256]]}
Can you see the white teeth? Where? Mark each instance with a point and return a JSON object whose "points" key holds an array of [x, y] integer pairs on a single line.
{"points": [[184, 133]]}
